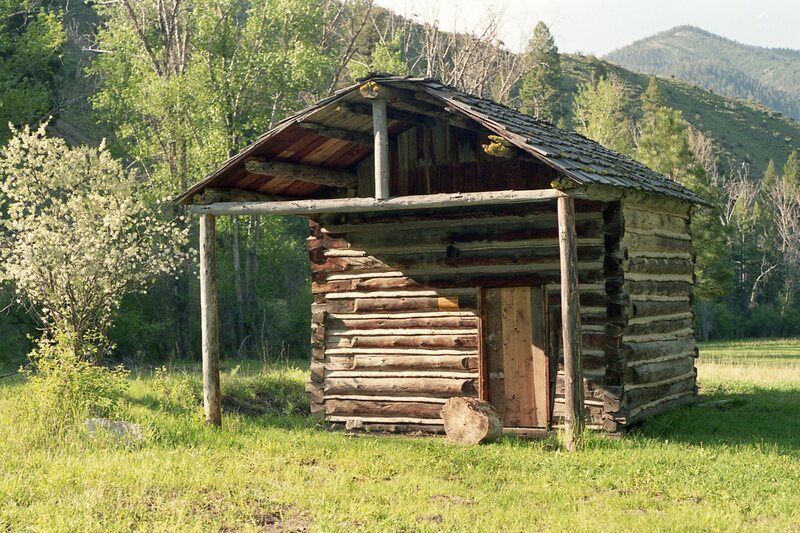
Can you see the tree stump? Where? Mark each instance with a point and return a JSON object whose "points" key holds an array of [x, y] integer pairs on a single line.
{"points": [[471, 421]]}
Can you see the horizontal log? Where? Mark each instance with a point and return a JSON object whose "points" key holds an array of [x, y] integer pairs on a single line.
{"points": [[536, 247], [434, 387], [456, 220], [337, 352], [415, 362], [315, 392], [448, 322], [637, 397], [407, 429], [659, 337], [660, 265], [657, 243], [299, 172], [659, 288], [213, 195], [366, 408], [642, 218], [662, 405], [649, 350], [419, 341], [658, 326], [361, 205], [647, 309], [658, 318], [658, 232], [659, 371]]}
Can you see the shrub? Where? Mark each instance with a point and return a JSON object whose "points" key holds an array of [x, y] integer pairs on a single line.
{"points": [[65, 389]]}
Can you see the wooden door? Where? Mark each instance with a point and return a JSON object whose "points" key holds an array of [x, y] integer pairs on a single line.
{"points": [[515, 356]]}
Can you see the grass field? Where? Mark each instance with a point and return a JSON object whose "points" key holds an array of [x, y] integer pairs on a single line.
{"points": [[729, 467]]}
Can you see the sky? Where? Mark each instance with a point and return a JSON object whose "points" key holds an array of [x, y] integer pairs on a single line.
{"points": [[600, 26]]}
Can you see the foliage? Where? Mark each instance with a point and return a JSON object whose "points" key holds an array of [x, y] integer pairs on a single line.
{"points": [[540, 94], [76, 236], [684, 468], [600, 113], [64, 389], [31, 39]]}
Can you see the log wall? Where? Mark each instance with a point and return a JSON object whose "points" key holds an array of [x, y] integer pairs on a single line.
{"points": [[395, 324], [650, 332]]}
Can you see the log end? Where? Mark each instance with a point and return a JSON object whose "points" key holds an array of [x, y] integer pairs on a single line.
{"points": [[471, 421]]}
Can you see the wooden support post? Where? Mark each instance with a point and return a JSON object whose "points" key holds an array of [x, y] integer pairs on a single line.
{"points": [[212, 404], [381, 134], [570, 325]]}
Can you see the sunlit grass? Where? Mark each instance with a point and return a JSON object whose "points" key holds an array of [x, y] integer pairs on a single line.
{"points": [[730, 466]]}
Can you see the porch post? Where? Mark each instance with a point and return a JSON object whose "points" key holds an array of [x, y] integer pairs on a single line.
{"points": [[381, 133], [570, 325], [209, 320]]}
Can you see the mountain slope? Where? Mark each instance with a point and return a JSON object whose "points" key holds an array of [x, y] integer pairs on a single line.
{"points": [[767, 75], [745, 130]]}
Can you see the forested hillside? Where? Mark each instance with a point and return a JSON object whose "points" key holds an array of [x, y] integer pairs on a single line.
{"points": [[746, 131], [766, 75], [177, 86]]}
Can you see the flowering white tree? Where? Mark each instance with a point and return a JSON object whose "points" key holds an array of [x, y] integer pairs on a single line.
{"points": [[76, 236]]}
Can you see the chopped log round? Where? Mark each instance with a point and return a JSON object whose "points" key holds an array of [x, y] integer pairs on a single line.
{"points": [[471, 421]]}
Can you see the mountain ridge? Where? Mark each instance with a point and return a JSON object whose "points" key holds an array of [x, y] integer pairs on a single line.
{"points": [[767, 75]]}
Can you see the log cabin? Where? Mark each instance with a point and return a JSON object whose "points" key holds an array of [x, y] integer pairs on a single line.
{"points": [[460, 248]]}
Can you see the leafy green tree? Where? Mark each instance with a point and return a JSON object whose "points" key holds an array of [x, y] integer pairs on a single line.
{"points": [[600, 113], [791, 170], [31, 39], [76, 237], [387, 57], [540, 93], [663, 143]]}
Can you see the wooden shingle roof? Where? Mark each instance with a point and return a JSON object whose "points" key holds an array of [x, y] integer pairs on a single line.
{"points": [[576, 157]]}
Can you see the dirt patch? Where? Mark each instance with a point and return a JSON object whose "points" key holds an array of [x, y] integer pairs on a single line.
{"points": [[285, 520], [430, 518]]}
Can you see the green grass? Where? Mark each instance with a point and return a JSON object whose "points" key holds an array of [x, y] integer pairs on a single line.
{"points": [[727, 467]]}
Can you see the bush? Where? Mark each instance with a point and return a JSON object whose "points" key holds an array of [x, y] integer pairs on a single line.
{"points": [[65, 389]]}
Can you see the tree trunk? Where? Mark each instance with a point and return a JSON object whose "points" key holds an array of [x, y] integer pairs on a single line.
{"points": [[471, 421]]}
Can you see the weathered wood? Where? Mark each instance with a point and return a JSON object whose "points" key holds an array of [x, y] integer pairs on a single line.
{"points": [[209, 320], [299, 172], [373, 408], [356, 137], [662, 405], [659, 371], [634, 397], [449, 322], [314, 392], [660, 265], [414, 362], [471, 421], [380, 132], [646, 309], [391, 114], [416, 341], [434, 387], [571, 326], [659, 288], [365, 205], [642, 351], [404, 428], [213, 195]]}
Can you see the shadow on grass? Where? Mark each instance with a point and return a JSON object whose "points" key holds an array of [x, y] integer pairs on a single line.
{"points": [[757, 416]]}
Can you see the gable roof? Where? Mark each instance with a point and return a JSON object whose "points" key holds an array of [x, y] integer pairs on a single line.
{"points": [[576, 157]]}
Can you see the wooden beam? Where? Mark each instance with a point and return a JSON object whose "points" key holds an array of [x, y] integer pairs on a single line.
{"points": [[391, 114], [299, 172], [357, 137], [212, 401], [571, 326], [380, 131], [366, 205], [215, 195]]}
